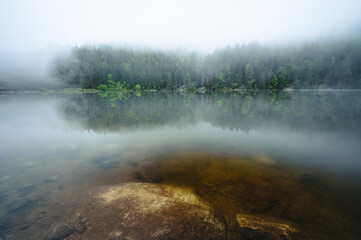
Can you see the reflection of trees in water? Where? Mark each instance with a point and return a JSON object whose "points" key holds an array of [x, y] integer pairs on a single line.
{"points": [[110, 113], [337, 111]]}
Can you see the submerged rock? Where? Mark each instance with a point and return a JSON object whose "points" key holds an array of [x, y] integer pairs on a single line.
{"points": [[309, 178], [151, 211], [148, 171], [58, 232], [255, 227]]}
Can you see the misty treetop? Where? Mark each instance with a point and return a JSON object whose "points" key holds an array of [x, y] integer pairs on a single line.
{"points": [[334, 64]]}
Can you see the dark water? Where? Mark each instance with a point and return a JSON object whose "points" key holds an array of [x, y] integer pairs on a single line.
{"points": [[290, 155]]}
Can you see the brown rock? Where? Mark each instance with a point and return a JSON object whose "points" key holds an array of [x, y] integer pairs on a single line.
{"points": [[148, 171], [150, 211], [255, 227]]}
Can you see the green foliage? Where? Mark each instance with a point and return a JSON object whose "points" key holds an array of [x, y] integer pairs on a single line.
{"points": [[220, 80], [111, 85], [282, 77], [272, 97], [248, 72], [138, 89], [274, 83], [103, 87], [126, 66], [220, 102], [169, 81], [119, 87], [291, 72], [191, 86], [228, 76]]}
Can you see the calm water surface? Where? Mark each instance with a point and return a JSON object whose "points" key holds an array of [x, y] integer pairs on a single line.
{"points": [[290, 155]]}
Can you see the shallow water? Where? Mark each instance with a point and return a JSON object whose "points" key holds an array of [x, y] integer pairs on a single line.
{"points": [[293, 156]]}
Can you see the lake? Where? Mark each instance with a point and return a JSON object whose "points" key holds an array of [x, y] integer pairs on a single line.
{"points": [[251, 159]]}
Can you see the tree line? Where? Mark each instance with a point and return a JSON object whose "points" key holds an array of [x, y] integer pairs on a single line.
{"points": [[332, 64]]}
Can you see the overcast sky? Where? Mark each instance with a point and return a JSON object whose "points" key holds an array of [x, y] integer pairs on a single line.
{"points": [[202, 25]]}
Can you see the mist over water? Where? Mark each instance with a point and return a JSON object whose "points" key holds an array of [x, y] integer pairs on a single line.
{"points": [[55, 148], [304, 124]]}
